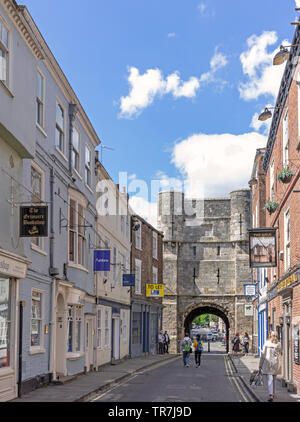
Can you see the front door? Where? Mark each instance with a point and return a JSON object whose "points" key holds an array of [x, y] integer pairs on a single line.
{"points": [[89, 343]]}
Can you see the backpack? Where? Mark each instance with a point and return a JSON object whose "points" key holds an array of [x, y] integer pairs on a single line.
{"points": [[187, 346]]}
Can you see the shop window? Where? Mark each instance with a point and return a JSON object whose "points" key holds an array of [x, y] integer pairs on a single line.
{"points": [[36, 319], [74, 328], [5, 322]]}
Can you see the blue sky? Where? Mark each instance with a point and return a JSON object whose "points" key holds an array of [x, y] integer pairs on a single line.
{"points": [[172, 85]]}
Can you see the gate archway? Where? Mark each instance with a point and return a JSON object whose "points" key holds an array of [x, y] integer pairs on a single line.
{"points": [[207, 309]]}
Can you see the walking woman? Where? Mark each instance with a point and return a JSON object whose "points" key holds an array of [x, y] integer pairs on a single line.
{"points": [[269, 362], [246, 343], [236, 343]]}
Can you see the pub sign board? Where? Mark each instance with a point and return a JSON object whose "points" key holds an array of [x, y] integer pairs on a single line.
{"points": [[34, 221], [262, 248]]}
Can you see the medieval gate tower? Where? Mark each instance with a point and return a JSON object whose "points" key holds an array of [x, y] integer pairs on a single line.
{"points": [[206, 261]]}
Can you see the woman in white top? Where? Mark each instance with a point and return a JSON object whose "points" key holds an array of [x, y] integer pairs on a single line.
{"points": [[270, 362]]}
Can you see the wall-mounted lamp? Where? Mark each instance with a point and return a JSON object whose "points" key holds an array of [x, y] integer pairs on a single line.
{"points": [[266, 114], [283, 54], [252, 182]]}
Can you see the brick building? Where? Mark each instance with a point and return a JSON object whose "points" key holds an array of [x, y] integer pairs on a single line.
{"points": [[283, 152], [147, 264]]}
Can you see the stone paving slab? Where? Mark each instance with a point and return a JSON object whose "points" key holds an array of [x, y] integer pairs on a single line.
{"points": [[85, 385], [245, 364]]}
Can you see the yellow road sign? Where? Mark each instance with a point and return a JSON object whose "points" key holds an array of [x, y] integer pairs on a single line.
{"points": [[155, 290]]}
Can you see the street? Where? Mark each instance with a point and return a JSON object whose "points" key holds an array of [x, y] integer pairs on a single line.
{"points": [[172, 382]]}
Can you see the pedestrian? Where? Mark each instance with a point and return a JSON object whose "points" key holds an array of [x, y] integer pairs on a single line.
{"points": [[166, 342], [186, 345], [246, 342], [198, 346], [160, 343], [236, 343], [269, 362]]}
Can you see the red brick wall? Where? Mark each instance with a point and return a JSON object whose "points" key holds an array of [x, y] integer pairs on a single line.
{"points": [[296, 321]]}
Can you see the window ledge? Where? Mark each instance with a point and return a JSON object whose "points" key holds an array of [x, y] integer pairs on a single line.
{"points": [[77, 174], [87, 186], [38, 250], [8, 91], [41, 130], [74, 356], [78, 267], [39, 350], [62, 154]]}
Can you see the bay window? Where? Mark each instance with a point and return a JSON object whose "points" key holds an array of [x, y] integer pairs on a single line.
{"points": [[74, 328]]}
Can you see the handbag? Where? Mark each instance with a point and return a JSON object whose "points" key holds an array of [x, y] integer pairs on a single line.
{"points": [[256, 379]]}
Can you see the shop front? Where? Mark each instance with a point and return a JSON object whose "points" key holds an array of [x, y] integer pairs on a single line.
{"points": [[12, 269]]}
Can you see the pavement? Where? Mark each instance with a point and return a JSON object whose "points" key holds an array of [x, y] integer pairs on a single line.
{"points": [[82, 387], [244, 364]]}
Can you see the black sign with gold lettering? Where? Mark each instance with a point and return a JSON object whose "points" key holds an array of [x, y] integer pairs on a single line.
{"points": [[34, 221]]}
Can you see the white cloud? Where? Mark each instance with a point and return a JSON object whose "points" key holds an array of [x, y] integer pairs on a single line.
{"points": [[144, 208], [257, 63], [216, 164], [145, 87], [258, 125], [202, 7], [171, 35], [297, 3]]}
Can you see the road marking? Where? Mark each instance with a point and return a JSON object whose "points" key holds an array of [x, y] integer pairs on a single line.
{"points": [[234, 379], [113, 388]]}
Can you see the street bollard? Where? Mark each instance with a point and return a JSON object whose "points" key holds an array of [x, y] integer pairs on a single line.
{"points": [[208, 346]]}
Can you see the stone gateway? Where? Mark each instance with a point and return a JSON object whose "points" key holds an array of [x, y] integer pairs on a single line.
{"points": [[206, 261]]}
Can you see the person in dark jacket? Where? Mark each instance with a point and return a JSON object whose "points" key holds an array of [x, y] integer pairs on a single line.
{"points": [[236, 343], [246, 343], [166, 342]]}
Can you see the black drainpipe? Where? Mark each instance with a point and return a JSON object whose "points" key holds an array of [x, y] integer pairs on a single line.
{"points": [[21, 305]]}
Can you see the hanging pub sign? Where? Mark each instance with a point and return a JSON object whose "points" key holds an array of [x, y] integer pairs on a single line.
{"points": [[128, 280], [34, 221], [262, 248], [155, 290], [102, 260]]}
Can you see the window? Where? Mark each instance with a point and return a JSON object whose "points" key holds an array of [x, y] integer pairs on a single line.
{"points": [[195, 250], [77, 237], [285, 142], [4, 53], [124, 319], [88, 163], [75, 150], [36, 319], [5, 321], [138, 276], [106, 328], [219, 250], [272, 181], [37, 194], [274, 319], [40, 100], [138, 237], [74, 328], [60, 128], [136, 327], [155, 277], [154, 245], [287, 240], [99, 328]]}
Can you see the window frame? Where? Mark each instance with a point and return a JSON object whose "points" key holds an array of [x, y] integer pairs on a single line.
{"points": [[41, 101], [6, 49], [61, 130], [99, 328], [138, 237], [40, 245], [287, 240], [154, 245], [285, 138], [138, 281], [79, 235], [76, 316], [40, 347], [74, 151], [88, 168], [124, 326], [272, 180], [106, 329]]}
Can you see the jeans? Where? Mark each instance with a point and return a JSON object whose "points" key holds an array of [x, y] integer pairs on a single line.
{"points": [[198, 357], [246, 347], [166, 345], [271, 383], [186, 358], [160, 348]]}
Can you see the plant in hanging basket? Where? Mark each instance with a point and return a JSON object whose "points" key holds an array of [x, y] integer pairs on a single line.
{"points": [[286, 175], [271, 206]]}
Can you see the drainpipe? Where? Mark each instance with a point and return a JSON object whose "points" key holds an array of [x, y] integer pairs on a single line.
{"points": [[130, 312], [21, 306]]}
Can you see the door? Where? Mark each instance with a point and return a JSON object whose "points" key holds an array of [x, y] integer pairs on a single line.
{"points": [[60, 339], [116, 338], [89, 344]]}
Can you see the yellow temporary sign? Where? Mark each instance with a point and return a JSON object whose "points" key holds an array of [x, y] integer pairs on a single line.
{"points": [[155, 290]]}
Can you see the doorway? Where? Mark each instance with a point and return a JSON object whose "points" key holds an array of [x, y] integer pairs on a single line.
{"points": [[60, 343], [116, 338]]}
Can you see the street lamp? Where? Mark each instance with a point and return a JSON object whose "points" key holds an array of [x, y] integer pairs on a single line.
{"points": [[266, 114], [283, 54]]}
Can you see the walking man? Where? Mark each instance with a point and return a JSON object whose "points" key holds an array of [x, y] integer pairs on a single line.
{"points": [[186, 345], [166, 342], [160, 343], [198, 346]]}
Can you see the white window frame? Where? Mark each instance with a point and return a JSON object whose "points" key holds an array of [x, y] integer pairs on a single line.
{"points": [[88, 169], [99, 328], [285, 139], [272, 180], [287, 240], [76, 316], [40, 245], [155, 275], [154, 244], [41, 101], [79, 232], [106, 328], [138, 237], [61, 130], [138, 276], [124, 326], [5, 48], [75, 151], [40, 347]]}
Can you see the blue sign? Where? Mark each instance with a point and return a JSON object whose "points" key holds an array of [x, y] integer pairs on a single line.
{"points": [[128, 279], [250, 289], [102, 260]]}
